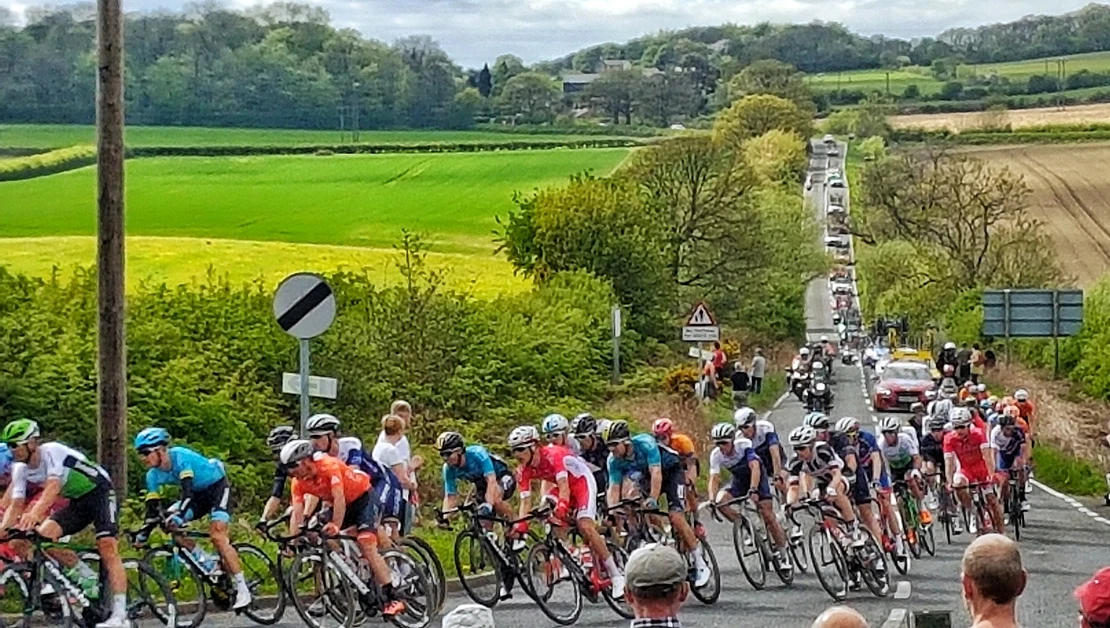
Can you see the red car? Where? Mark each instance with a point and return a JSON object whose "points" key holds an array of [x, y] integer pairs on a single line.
{"points": [[902, 384]]}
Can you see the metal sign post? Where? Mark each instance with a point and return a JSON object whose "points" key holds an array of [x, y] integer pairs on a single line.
{"points": [[304, 307], [616, 344]]}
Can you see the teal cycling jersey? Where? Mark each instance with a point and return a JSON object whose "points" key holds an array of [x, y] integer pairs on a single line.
{"points": [[477, 465], [184, 463], [646, 453]]}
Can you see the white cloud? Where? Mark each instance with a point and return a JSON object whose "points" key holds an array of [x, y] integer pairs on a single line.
{"points": [[476, 31]]}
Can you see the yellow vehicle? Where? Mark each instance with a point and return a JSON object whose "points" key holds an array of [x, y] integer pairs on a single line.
{"points": [[909, 354]]}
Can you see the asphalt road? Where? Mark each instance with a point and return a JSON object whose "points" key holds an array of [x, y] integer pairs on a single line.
{"points": [[1061, 547]]}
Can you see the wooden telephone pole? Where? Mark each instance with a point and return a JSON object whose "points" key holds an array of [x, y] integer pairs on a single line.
{"points": [[111, 313]]}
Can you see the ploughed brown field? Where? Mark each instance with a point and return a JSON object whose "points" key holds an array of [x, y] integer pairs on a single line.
{"points": [[1018, 119], [1071, 194]]}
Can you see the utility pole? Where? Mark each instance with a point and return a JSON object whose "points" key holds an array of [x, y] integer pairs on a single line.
{"points": [[111, 305]]}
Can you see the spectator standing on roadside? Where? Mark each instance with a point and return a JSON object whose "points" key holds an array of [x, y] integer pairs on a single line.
{"points": [[992, 578], [719, 358], [840, 617], [656, 586], [402, 409], [389, 454], [740, 382], [759, 367], [1094, 600], [963, 364], [978, 363]]}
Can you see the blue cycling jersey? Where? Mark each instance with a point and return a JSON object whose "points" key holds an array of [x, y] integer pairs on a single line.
{"points": [[477, 464], [352, 453], [646, 453], [185, 463]]}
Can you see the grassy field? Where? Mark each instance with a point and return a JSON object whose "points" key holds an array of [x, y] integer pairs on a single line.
{"points": [[56, 135], [1016, 71], [1017, 118], [363, 200]]}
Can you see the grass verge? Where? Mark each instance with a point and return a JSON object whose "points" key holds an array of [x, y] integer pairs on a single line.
{"points": [[1066, 473]]}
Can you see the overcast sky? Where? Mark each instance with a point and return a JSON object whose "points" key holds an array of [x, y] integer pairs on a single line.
{"points": [[476, 31]]}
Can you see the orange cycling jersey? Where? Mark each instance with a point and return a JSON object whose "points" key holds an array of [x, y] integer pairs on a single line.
{"points": [[683, 445], [1026, 409], [331, 471]]}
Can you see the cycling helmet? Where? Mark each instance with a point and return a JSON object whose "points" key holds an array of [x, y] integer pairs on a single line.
{"points": [[279, 436], [985, 404], [802, 436], [615, 432], [295, 451], [152, 437], [1021, 394], [804, 351], [816, 420], [1013, 411], [1006, 421], [960, 417], [321, 424], [20, 431], [555, 424], [723, 431], [824, 338], [584, 424], [937, 423], [943, 407], [449, 441], [930, 395], [602, 425], [5, 459], [982, 388], [890, 424], [523, 436], [969, 385], [949, 346], [662, 427], [847, 424], [917, 405], [743, 417], [971, 402]]}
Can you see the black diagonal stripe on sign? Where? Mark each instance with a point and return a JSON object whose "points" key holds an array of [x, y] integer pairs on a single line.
{"points": [[301, 308]]}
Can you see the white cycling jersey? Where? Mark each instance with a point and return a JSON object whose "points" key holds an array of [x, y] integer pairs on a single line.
{"points": [[899, 455], [763, 429], [736, 460]]}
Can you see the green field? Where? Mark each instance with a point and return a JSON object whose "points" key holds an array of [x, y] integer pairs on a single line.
{"points": [[1016, 71], [57, 135]]}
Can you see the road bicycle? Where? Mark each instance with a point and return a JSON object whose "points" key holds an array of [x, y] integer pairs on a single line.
{"points": [[38, 591], [483, 562], [1012, 507], [830, 545], [552, 561], [901, 561], [946, 511], [981, 507], [752, 542], [197, 582], [919, 535]]}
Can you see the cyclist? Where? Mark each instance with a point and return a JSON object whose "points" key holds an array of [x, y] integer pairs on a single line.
{"points": [[204, 491], [594, 451], [970, 460], [815, 462], [765, 441], [656, 471], [683, 445], [903, 456], [859, 452], [1012, 447], [556, 430], [574, 491], [820, 424], [275, 440], [917, 421], [323, 433], [347, 489], [736, 453], [932, 455], [65, 473], [1021, 400]]}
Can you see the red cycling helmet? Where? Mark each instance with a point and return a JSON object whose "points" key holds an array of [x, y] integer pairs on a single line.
{"points": [[662, 427]]}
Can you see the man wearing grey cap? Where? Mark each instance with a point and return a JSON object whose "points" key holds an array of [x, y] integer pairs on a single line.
{"points": [[655, 577]]}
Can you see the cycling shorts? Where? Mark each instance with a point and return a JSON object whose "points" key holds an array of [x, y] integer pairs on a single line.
{"points": [[742, 483], [390, 502], [583, 497], [361, 514], [673, 487], [861, 488], [1006, 462], [899, 475], [214, 501], [963, 477], [507, 482], [97, 507]]}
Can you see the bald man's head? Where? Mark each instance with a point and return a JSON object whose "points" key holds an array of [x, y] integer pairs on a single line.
{"points": [[992, 564], [840, 617]]}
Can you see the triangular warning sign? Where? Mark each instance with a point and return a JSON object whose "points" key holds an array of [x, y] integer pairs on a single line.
{"points": [[701, 317]]}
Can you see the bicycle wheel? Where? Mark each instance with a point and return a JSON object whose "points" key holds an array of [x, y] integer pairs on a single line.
{"points": [[150, 598], [477, 565], [872, 568], [19, 609], [912, 528], [264, 582], [928, 541], [619, 606], [1013, 507], [186, 583], [557, 593], [709, 593], [798, 552], [423, 553], [321, 594], [830, 564], [747, 552], [411, 586]]}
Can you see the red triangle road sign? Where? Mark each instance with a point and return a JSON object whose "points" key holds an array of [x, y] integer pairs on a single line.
{"points": [[700, 317]]}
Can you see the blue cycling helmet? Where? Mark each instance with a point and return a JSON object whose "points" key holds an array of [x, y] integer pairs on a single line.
{"points": [[152, 437], [985, 404], [5, 459]]}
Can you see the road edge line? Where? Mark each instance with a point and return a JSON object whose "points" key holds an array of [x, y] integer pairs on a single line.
{"points": [[1071, 501]]}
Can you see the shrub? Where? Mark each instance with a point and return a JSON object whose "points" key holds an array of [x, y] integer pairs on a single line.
{"points": [[680, 381], [47, 163], [352, 149]]}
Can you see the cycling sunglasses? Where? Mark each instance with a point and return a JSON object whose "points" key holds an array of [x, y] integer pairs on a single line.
{"points": [[721, 443], [146, 451], [447, 454], [802, 448], [517, 450]]}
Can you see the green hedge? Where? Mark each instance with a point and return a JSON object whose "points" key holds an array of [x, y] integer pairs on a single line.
{"points": [[43, 164], [981, 138], [578, 129], [371, 149]]}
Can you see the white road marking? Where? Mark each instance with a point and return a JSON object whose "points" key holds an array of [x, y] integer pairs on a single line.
{"points": [[903, 591], [898, 617], [1071, 501], [781, 399]]}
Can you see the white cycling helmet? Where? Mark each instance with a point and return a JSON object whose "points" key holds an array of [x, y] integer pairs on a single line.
{"points": [[602, 425], [949, 346], [294, 451], [555, 424], [960, 417], [523, 436], [320, 424], [890, 424], [804, 351], [1021, 394], [847, 424], [942, 407], [723, 431], [930, 395], [816, 421], [824, 338], [981, 388], [802, 436], [743, 417]]}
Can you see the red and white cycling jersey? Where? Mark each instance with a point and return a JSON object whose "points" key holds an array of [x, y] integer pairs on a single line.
{"points": [[968, 453], [553, 462]]}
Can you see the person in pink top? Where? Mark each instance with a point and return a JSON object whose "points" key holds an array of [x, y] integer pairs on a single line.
{"points": [[568, 479]]}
